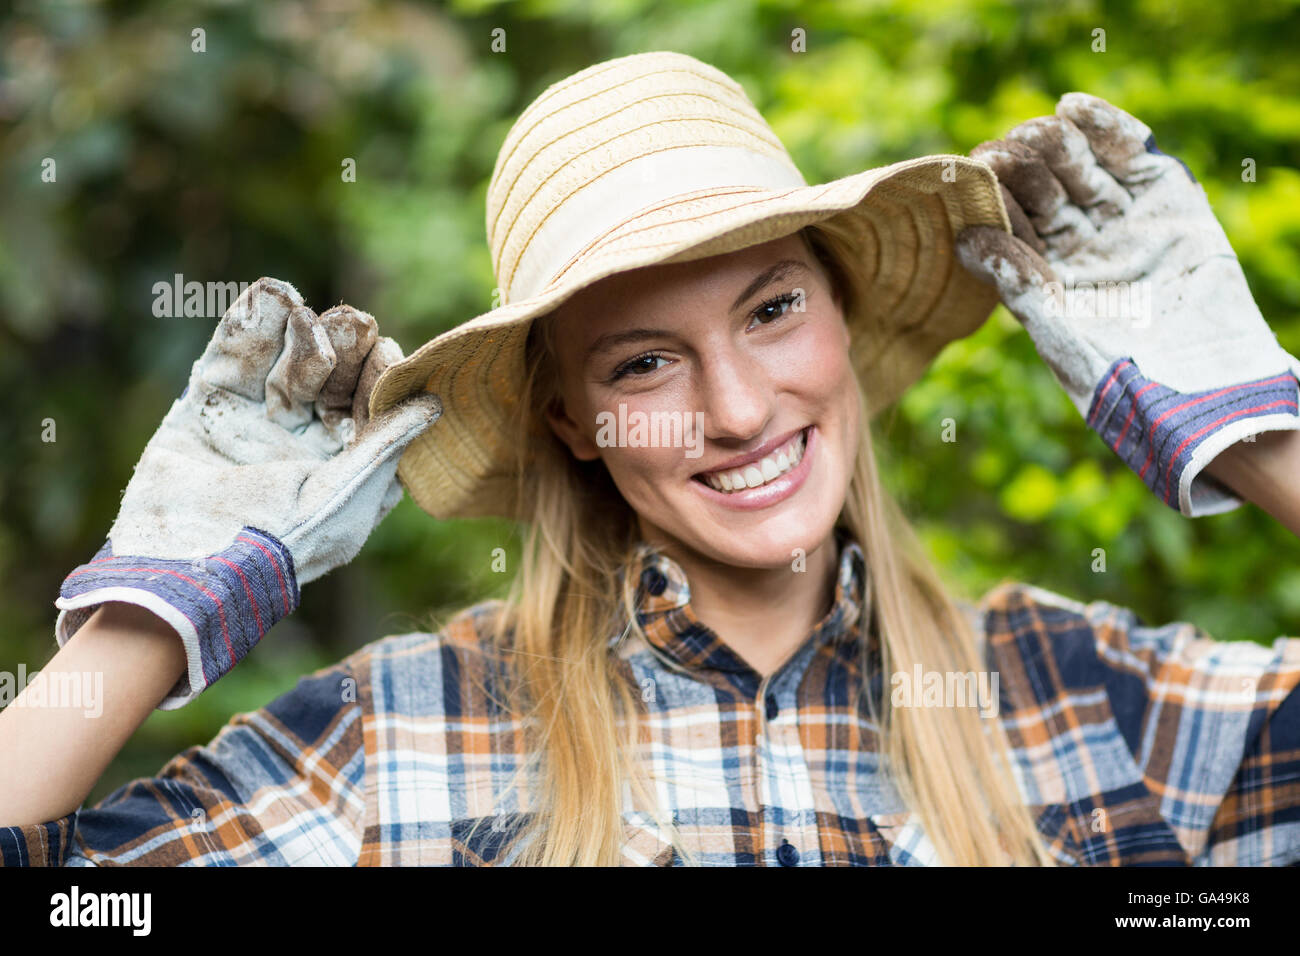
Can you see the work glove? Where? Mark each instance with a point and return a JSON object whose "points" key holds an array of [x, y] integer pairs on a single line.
{"points": [[1133, 297], [263, 476]]}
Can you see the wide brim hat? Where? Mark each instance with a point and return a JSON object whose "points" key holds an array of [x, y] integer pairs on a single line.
{"points": [[657, 158]]}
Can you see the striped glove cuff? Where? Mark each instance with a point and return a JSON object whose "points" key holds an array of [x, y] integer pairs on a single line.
{"points": [[1168, 437], [221, 605]]}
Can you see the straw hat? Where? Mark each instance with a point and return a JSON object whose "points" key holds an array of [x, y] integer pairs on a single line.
{"points": [[656, 158]]}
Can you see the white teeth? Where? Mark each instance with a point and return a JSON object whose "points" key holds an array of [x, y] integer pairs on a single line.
{"points": [[760, 472]]}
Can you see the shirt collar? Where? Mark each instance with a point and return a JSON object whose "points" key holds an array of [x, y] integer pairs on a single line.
{"points": [[664, 608]]}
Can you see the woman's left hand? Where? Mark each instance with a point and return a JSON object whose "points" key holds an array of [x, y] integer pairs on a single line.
{"points": [[1133, 296]]}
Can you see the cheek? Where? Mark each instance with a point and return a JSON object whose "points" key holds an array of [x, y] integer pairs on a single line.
{"points": [[815, 364], [624, 441], [820, 371], [648, 479], [638, 470]]}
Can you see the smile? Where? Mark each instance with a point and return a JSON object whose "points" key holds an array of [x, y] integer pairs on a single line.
{"points": [[765, 477], [758, 473]]}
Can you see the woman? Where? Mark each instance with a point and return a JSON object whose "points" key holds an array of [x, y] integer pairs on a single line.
{"points": [[676, 396]]}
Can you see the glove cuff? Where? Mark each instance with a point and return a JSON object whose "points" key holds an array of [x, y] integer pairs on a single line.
{"points": [[1168, 437], [221, 605]]}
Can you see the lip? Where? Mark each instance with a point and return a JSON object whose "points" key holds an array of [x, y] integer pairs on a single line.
{"points": [[774, 492], [758, 454]]}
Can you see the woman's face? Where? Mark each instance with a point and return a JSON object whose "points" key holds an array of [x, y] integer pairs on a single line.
{"points": [[719, 395]]}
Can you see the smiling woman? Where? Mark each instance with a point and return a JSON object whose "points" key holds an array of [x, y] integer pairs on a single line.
{"points": [[692, 664], [762, 532]]}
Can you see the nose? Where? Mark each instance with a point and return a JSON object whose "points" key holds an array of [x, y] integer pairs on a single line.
{"points": [[736, 395]]}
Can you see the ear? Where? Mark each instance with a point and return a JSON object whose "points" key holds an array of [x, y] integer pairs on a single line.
{"points": [[580, 444]]}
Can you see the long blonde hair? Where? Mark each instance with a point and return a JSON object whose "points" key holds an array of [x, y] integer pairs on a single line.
{"points": [[582, 716]]}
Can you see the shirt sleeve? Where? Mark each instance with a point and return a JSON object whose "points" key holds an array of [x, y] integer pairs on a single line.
{"points": [[1258, 821], [282, 785], [1215, 728]]}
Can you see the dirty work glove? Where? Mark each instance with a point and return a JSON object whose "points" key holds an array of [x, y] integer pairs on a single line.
{"points": [[264, 475], [1133, 297]]}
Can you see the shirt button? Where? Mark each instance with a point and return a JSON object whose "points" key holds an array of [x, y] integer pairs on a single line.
{"points": [[772, 709], [786, 854], [654, 581]]}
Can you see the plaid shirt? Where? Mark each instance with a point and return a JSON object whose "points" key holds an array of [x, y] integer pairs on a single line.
{"points": [[1132, 744]]}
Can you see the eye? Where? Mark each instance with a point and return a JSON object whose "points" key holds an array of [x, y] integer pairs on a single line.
{"points": [[639, 366], [781, 303]]}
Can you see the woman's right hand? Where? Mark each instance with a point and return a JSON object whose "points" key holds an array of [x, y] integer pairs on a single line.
{"points": [[264, 475], [1133, 296]]}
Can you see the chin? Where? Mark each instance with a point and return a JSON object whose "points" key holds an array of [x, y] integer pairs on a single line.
{"points": [[773, 542], [771, 553]]}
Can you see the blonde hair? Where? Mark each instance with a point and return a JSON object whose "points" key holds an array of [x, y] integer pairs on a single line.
{"points": [[582, 716]]}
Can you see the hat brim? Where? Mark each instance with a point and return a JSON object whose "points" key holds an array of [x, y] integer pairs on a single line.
{"points": [[892, 227]]}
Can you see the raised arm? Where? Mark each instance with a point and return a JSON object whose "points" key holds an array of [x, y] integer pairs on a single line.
{"points": [[1134, 298], [264, 475], [140, 658]]}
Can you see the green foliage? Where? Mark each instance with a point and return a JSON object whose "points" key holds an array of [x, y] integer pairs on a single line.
{"points": [[226, 165]]}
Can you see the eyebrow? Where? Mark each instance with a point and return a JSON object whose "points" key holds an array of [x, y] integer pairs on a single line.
{"points": [[776, 271], [612, 340]]}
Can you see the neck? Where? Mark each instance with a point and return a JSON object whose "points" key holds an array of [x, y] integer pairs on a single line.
{"points": [[763, 614]]}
